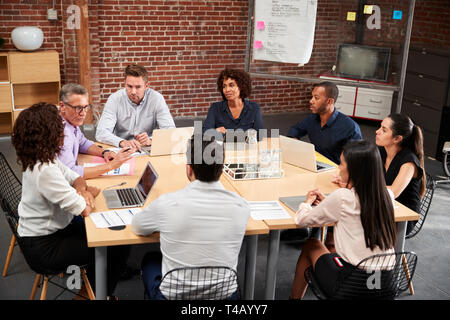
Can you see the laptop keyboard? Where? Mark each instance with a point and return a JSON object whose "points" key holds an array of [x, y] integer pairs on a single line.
{"points": [[322, 165], [128, 197]]}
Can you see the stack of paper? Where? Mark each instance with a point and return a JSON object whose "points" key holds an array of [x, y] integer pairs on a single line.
{"points": [[113, 218], [267, 210], [126, 168]]}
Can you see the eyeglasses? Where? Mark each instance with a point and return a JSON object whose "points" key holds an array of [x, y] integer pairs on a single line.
{"points": [[79, 109]]}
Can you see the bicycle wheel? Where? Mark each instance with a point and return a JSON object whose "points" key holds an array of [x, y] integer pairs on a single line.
{"points": [[446, 164]]}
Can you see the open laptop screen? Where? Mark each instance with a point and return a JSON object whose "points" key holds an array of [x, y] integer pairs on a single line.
{"points": [[147, 180]]}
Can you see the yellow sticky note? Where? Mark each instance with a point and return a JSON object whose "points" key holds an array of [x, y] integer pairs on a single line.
{"points": [[351, 16], [368, 9]]}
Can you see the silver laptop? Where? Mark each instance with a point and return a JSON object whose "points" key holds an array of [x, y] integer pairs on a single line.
{"points": [[132, 197], [169, 141], [301, 154]]}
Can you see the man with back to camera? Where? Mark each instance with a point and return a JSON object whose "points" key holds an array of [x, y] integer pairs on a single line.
{"points": [[200, 225], [328, 129], [73, 107], [131, 114]]}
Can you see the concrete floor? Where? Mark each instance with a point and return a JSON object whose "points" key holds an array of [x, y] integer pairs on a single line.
{"points": [[431, 280]]}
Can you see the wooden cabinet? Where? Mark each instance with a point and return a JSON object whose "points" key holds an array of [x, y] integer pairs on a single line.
{"points": [[426, 95], [373, 104], [26, 78]]}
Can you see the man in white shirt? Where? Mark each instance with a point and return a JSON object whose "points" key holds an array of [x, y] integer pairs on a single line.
{"points": [[131, 114], [200, 225]]}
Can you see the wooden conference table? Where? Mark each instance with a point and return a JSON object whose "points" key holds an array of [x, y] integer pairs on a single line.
{"points": [[172, 177]]}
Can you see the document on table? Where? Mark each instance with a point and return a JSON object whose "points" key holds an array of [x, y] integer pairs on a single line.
{"points": [[113, 218], [267, 210], [143, 152], [124, 169]]}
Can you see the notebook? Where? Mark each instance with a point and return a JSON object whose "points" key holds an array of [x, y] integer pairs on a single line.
{"points": [[302, 154], [293, 202], [132, 197]]}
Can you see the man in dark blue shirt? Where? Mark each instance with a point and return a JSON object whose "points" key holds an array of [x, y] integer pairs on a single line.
{"points": [[328, 129]]}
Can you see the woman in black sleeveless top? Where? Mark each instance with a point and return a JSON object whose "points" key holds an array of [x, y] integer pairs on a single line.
{"points": [[401, 148]]}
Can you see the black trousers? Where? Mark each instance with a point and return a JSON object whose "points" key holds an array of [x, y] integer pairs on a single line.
{"points": [[52, 254]]}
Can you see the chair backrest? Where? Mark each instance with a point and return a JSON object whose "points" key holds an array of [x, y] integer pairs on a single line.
{"points": [[425, 204], [381, 276], [10, 194], [200, 283]]}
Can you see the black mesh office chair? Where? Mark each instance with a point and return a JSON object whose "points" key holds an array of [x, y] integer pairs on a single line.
{"points": [[200, 283], [395, 272], [10, 195], [425, 204]]}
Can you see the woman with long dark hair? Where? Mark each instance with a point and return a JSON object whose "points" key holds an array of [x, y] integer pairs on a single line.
{"points": [[52, 195], [363, 214], [400, 143]]}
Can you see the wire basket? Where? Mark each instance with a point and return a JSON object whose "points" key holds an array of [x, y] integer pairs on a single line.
{"points": [[261, 164]]}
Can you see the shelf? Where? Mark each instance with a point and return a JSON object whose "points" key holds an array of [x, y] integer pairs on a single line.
{"points": [[5, 122], [4, 74], [5, 97], [15, 114], [26, 78], [25, 95], [41, 66]]}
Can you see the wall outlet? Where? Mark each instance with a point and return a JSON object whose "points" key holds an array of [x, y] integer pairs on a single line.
{"points": [[52, 14]]}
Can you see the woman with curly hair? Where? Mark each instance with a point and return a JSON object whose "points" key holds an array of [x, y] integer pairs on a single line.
{"points": [[52, 195], [235, 111]]}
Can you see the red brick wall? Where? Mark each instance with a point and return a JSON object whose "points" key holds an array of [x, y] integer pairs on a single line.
{"points": [[431, 27], [185, 44]]}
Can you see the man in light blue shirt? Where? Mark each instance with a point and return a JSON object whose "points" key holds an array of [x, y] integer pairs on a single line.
{"points": [[131, 114]]}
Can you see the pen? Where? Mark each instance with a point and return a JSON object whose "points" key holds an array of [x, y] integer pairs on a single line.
{"points": [[119, 217], [105, 219]]}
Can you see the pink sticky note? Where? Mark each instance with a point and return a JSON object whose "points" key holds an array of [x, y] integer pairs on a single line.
{"points": [[258, 44], [260, 25]]}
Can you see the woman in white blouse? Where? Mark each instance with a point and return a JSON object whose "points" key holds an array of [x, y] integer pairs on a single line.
{"points": [[363, 214], [52, 195]]}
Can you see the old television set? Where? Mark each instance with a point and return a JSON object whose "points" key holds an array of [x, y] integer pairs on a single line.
{"points": [[363, 62]]}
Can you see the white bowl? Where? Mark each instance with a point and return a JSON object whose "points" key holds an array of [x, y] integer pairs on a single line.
{"points": [[27, 38]]}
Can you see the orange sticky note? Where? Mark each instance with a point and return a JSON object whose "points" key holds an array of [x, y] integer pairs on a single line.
{"points": [[351, 16], [258, 44]]}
